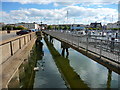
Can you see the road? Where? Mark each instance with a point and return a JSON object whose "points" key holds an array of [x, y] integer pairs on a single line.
{"points": [[6, 36]]}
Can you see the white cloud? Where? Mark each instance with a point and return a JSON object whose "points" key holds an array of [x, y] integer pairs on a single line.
{"points": [[50, 16], [62, 2]]}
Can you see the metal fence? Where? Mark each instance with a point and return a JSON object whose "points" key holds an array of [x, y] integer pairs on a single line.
{"points": [[103, 48]]}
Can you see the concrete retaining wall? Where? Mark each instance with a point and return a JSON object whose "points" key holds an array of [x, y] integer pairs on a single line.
{"points": [[22, 41], [15, 46], [6, 53], [11, 46]]}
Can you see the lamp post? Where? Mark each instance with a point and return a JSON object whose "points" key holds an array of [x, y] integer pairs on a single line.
{"points": [[41, 26]]}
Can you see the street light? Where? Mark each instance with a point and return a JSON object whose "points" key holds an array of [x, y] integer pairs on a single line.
{"points": [[41, 26]]}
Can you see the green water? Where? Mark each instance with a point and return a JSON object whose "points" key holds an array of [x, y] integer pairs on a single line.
{"points": [[62, 71], [92, 73]]}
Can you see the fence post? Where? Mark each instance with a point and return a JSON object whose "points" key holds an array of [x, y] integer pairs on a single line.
{"points": [[27, 38], [119, 55], [95, 41], [87, 43], [100, 48], [30, 36], [19, 43], [11, 48], [78, 41], [24, 40]]}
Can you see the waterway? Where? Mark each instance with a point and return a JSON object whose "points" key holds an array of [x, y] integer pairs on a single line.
{"points": [[92, 73], [63, 69]]}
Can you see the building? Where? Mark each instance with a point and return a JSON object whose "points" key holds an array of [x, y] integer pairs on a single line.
{"points": [[43, 26], [29, 25], [12, 25], [1, 24], [113, 25], [78, 27], [72, 26], [95, 25]]}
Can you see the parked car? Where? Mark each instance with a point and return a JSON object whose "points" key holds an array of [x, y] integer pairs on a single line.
{"points": [[33, 30], [22, 32]]}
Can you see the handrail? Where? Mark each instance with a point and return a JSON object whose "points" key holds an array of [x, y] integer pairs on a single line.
{"points": [[13, 39], [9, 47]]}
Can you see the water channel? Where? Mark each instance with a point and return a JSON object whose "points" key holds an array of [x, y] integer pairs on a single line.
{"points": [[59, 68]]}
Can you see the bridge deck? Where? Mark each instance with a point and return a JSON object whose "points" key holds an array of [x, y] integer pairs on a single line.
{"points": [[100, 47]]}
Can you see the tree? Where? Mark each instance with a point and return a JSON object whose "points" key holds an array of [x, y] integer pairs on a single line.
{"points": [[66, 27], [20, 27], [7, 27], [49, 27], [57, 27]]}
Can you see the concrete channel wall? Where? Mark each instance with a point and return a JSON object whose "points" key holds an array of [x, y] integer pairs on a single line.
{"points": [[14, 52], [11, 46]]}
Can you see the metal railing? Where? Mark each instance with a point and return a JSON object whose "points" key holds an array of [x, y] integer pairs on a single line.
{"points": [[103, 48]]}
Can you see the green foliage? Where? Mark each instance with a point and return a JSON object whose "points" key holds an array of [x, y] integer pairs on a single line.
{"points": [[49, 27], [66, 27], [9, 27], [115, 28], [57, 27], [20, 27], [62, 27]]}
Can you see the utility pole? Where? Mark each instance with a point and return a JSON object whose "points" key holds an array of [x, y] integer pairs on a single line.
{"points": [[67, 19], [67, 16], [41, 25], [112, 21], [58, 24]]}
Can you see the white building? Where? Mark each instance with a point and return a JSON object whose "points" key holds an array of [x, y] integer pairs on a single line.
{"points": [[29, 25], [1, 24], [113, 25]]}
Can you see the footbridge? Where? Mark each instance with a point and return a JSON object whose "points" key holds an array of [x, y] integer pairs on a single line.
{"points": [[103, 51]]}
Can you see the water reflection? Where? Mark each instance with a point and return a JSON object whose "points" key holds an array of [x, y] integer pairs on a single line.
{"points": [[109, 78], [51, 39], [77, 69], [48, 75], [64, 47], [40, 53], [39, 49], [24, 76], [72, 78], [92, 73]]}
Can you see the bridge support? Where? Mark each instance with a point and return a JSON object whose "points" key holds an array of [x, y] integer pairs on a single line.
{"points": [[109, 78]]}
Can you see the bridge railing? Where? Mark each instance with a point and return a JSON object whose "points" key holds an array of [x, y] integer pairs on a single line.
{"points": [[9, 47], [103, 48]]}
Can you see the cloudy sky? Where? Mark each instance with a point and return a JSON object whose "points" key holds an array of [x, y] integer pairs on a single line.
{"points": [[59, 11]]}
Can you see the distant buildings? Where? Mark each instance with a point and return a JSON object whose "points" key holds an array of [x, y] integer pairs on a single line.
{"points": [[1, 24], [78, 27], [72, 26], [95, 25], [113, 25], [43, 26], [29, 25]]}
